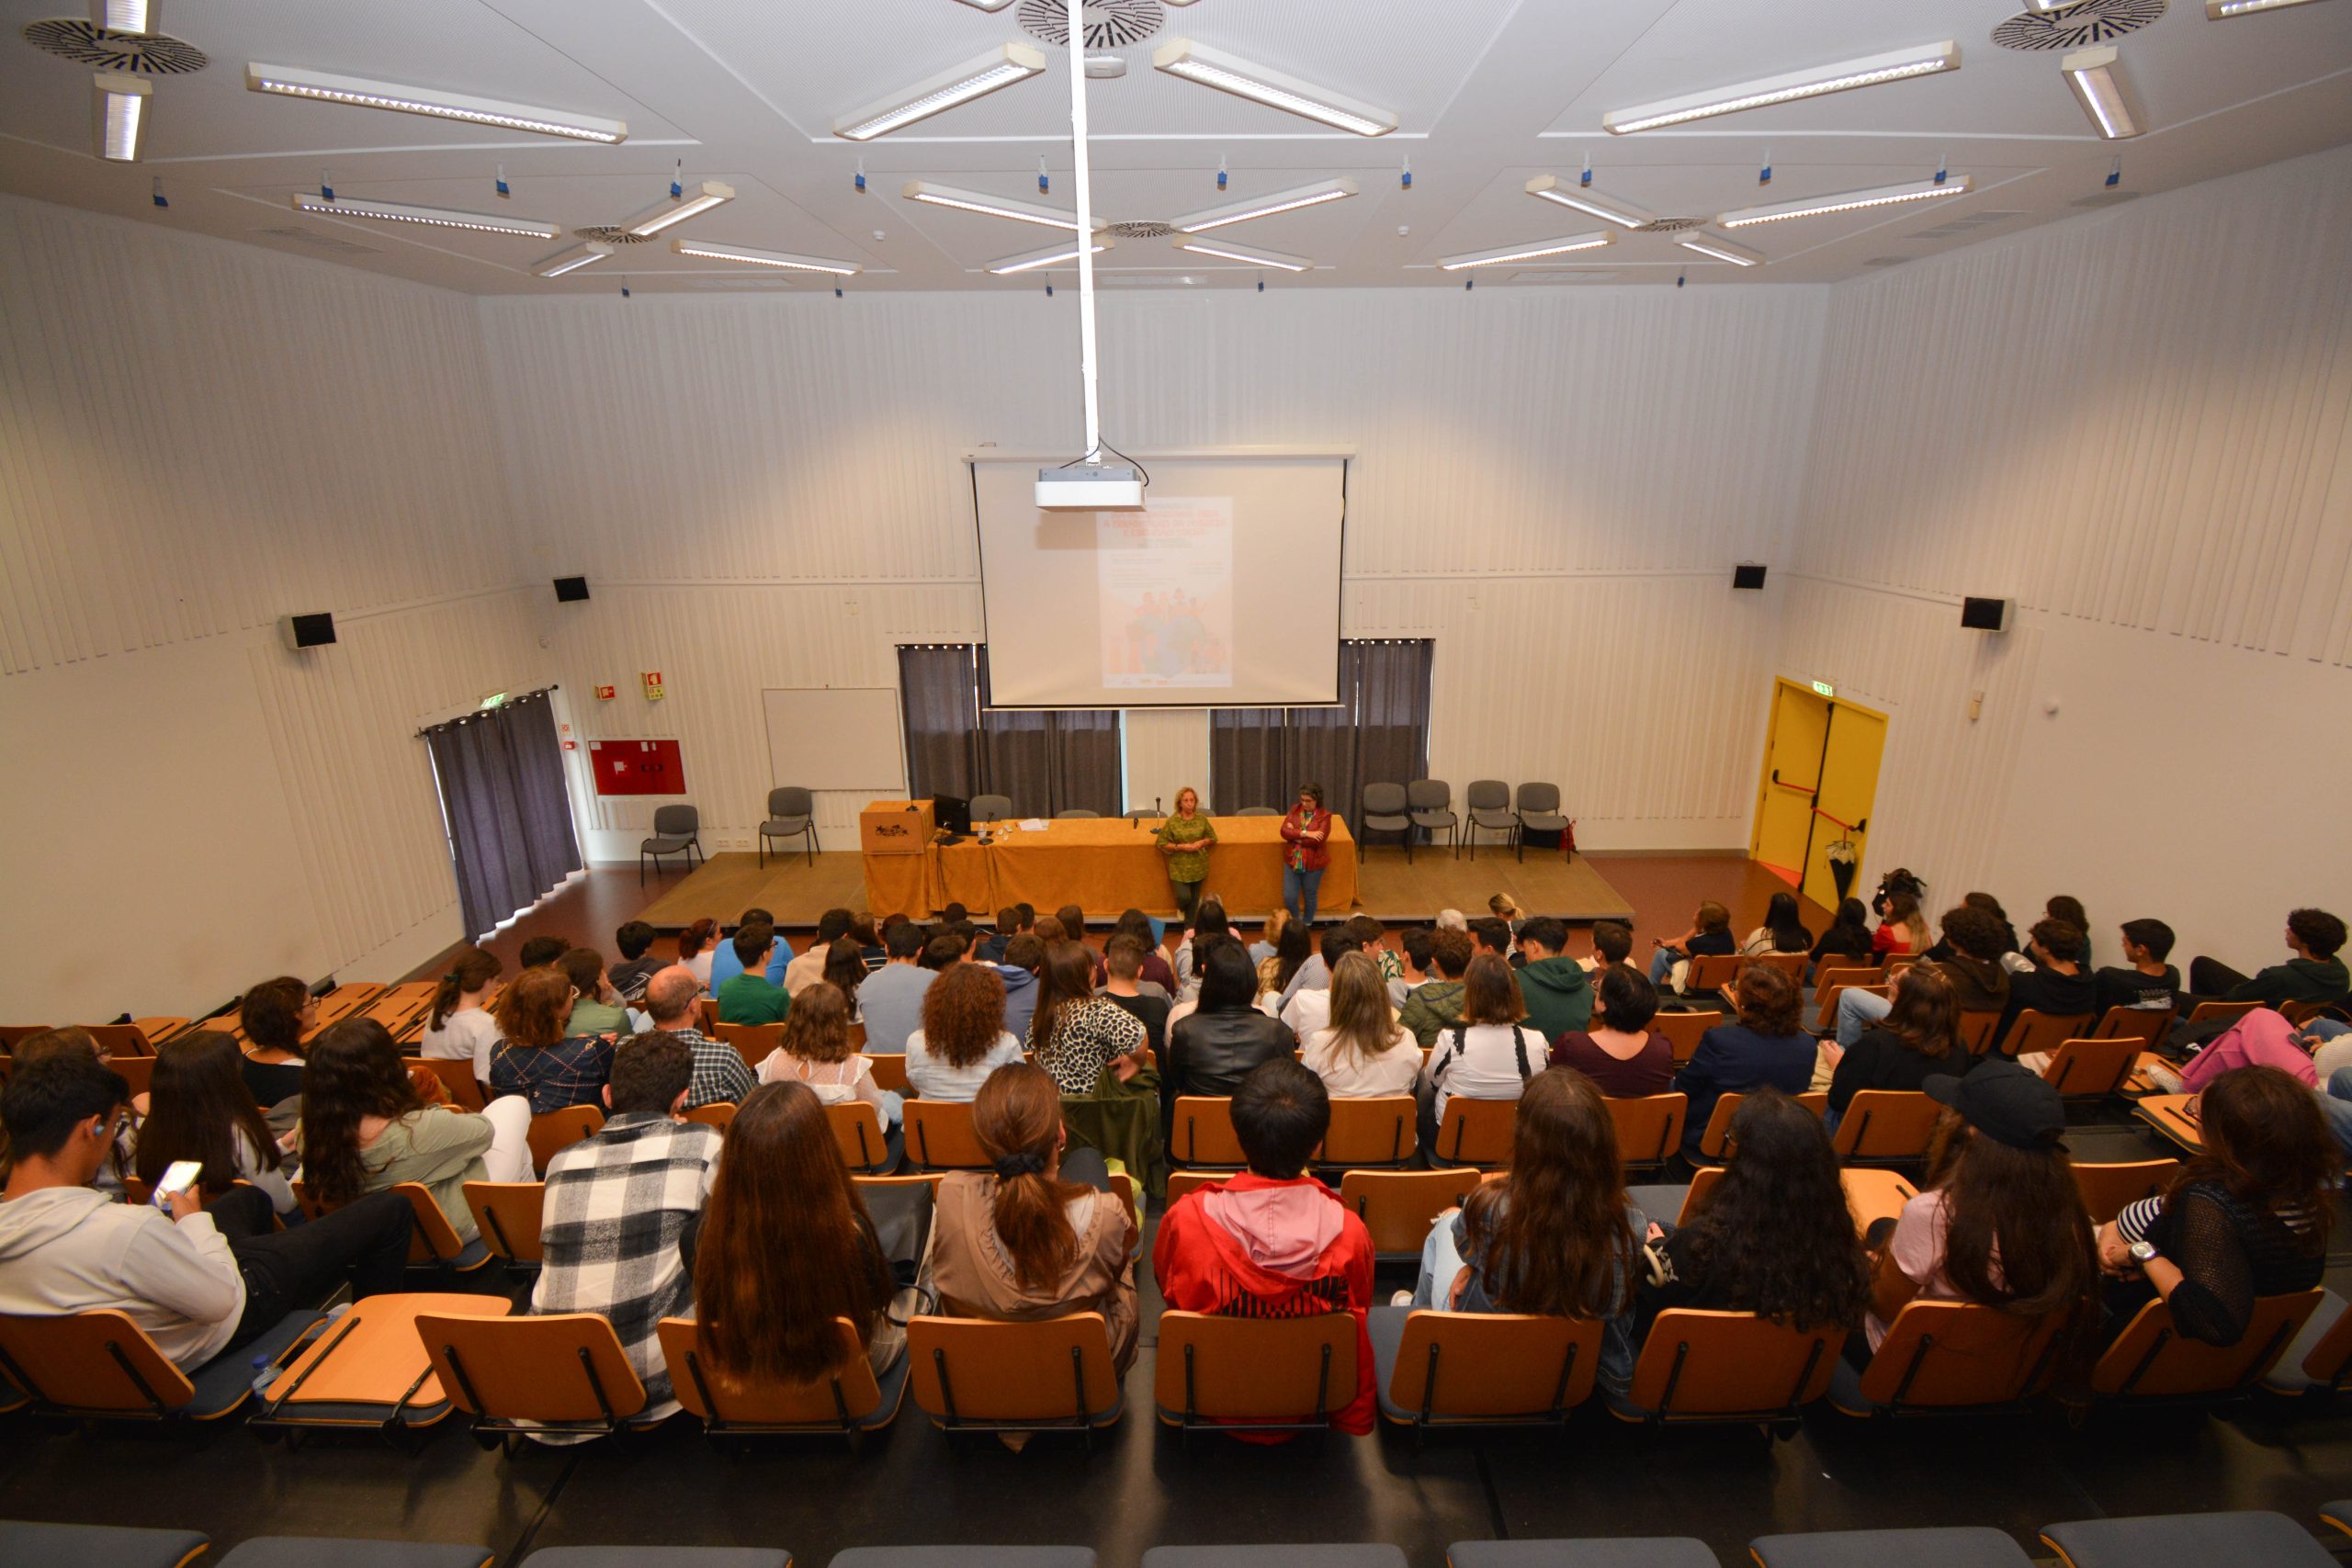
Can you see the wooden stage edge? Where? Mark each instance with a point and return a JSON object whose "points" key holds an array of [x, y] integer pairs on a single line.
{"points": [[797, 892]]}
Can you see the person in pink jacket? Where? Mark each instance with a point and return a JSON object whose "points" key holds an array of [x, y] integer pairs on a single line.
{"points": [[2263, 1038]]}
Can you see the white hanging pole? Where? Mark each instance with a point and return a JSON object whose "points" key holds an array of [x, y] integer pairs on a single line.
{"points": [[1085, 227]]}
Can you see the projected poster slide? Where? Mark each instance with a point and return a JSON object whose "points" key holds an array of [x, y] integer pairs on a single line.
{"points": [[1164, 589]]}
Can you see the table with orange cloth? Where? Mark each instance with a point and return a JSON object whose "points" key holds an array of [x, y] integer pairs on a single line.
{"points": [[1103, 864]]}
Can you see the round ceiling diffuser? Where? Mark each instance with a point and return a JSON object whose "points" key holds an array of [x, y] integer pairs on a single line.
{"points": [[1670, 225], [1141, 228], [154, 54], [1110, 24], [612, 234], [2093, 21]]}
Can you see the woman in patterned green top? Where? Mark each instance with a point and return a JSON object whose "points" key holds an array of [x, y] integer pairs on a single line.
{"points": [[1185, 840]]}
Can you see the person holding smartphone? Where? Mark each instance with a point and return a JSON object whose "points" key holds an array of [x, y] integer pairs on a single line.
{"points": [[1305, 830]]}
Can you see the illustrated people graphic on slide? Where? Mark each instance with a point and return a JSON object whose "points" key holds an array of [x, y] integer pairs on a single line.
{"points": [[1151, 625], [1183, 637]]}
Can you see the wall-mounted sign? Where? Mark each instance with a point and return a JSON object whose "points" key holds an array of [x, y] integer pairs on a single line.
{"points": [[1824, 688], [604, 693], [652, 679]]}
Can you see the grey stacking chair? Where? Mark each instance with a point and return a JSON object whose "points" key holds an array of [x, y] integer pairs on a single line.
{"points": [[1430, 802], [792, 814], [1539, 811], [1489, 803], [1385, 812], [1256, 811], [1077, 814], [677, 830], [991, 808]]}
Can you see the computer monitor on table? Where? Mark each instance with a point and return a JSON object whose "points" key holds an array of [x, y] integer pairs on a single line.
{"points": [[951, 814]]}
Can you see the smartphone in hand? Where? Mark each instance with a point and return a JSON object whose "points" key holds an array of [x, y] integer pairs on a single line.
{"points": [[178, 1177]]}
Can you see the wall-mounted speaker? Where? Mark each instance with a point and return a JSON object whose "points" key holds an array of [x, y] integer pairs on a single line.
{"points": [[1985, 614], [570, 590], [306, 631], [1747, 574]]}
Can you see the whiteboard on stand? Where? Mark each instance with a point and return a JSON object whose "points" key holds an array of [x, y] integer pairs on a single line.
{"points": [[836, 738]]}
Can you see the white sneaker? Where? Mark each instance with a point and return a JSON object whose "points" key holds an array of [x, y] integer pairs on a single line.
{"points": [[1401, 1299]]}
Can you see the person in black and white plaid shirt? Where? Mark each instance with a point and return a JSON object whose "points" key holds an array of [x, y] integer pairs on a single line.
{"points": [[619, 1203], [720, 1072]]}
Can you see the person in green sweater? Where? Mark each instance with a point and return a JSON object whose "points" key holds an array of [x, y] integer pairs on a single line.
{"points": [[1555, 988], [752, 997], [1435, 1006], [2314, 975], [1185, 840], [598, 1008]]}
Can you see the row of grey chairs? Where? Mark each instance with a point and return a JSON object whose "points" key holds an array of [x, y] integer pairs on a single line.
{"points": [[677, 830], [1493, 807]]}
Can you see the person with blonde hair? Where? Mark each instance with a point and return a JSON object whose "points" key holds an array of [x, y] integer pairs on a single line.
{"points": [[1363, 1051], [1184, 840]]}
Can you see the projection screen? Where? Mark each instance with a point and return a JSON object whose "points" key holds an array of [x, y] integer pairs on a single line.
{"points": [[1222, 591]]}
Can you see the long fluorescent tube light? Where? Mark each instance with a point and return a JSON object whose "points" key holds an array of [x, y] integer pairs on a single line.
{"points": [[1212, 68], [661, 214], [1236, 253], [1052, 256], [1721, 250], [783, 259], [573, 260], [1527, 251], [293, 82], [125, 15], [993, 206], [2222, 10], [1000, 67], [1551, 187], [1847, 202], [1266, 205], [2097, 82], [119, 114], [439, 217], [1899, 65]]}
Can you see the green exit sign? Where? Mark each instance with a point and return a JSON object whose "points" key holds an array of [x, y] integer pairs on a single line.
{"points": [[1824, 688]]}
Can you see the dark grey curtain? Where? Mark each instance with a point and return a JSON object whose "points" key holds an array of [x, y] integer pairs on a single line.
{"points": [[511, 835], [938, 690], [1378, 733]]}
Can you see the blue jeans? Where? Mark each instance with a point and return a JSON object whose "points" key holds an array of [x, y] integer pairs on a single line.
{"points": [[1661, 965], [1856, 1011], [2335, 1104], [1299, 889]]}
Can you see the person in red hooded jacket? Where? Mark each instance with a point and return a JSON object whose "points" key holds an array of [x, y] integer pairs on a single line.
{"points": [[1273, 1242]]}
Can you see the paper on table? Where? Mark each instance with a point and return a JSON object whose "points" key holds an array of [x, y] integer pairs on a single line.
{"points": [[1033, 824]]}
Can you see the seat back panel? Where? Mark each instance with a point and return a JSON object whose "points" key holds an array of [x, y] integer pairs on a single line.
{"points": [[1493, 1366], [1255, 1368]]}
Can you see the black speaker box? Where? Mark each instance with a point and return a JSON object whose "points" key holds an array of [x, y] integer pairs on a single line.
{"points": [[570, 590], [1984, 614], [1747, 574], [307, 631]]}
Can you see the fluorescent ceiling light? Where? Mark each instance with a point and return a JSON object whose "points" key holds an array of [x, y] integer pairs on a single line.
{"points": [[1899, 65], [2220, 10], [1266, 205], [1551, 187], [1052, 256], [118, 115], [993, 206], [1000, 67], [125, 15], [573, 260], [1527, 251], [1001, 4], [1212, 67], [1237, 252], [1847, 202], [1721, 250], [661, 214], [292, 82], [783, 259], [439, 217], [2097, 82]]}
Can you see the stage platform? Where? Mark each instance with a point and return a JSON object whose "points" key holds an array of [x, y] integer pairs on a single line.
{"points": [[797, 892]]}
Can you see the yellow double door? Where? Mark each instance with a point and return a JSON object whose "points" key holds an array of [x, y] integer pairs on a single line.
{"points": [[1821, 759]]}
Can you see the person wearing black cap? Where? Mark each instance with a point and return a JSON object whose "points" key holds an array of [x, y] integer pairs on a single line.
{"points": [[2001, 1223]]}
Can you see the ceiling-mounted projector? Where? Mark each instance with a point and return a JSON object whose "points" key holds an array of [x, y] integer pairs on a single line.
{"points": [[1089, 487]]}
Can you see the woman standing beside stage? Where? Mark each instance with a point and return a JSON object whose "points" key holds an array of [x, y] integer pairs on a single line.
{"points": [[1185, 840], [1305, 830]]}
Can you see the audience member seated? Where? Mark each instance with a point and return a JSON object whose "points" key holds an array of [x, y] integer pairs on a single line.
{"points": [[1077, 1035], [1991, 906], [963, 1038], [1073, 920], [1488, 1053], [1709, 934], [2263, 1038], [1557, 990], [2001, 1223], [619, 1201], [1555, 1237], [816, 1051], [870, 936], [1273, 1242], [747, 996], [1135, 926], [1612, 948], [786, 1247], [1013, 920], [598, 1009], [941, 950], [1621, 1053], [274, 1016], [2144, 982], [730, 959], [699, 949], [720, 1074], [1225, 1039], [1024, 956], [538, 1055], [1209, 924], [890, 999], [1493, 934], [199, 1109], [805, 969], [1767, 1048], [1042, 1236], [1971, 964], [460, 1027], [2054, 984], [1294, 951], [542, 952], [1123, 963], [120, 1161], [199, 1281], [845, 971], [1782, 930], [1363, 1051], [1417, 950], [1918, 1038], [634, 942], [1269, 937], [1773, 1237], [1902, 928], [2068, 911], [1435, 1005], [1847, 943], [2314, 975], [1371, 939], [1308, 1006], [367, 1125]]}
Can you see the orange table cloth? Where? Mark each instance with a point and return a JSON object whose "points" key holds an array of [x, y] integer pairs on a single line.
{"points": [[1103, 865]]}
